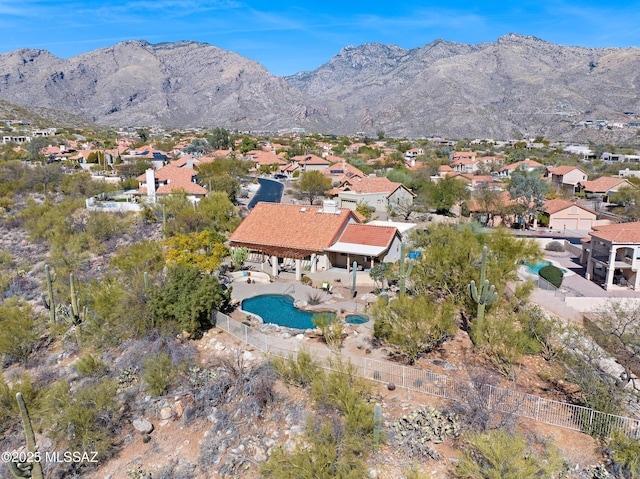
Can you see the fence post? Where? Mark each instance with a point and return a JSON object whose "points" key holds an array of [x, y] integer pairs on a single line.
{"points": [[538, 409]]}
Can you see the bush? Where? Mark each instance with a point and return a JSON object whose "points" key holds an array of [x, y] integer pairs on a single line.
{"points": [[20, 329], [555, 246], [89, 365], [159, 373], [552, 274], [501, 454], [625, 453], [306, 280], [299, 371]]}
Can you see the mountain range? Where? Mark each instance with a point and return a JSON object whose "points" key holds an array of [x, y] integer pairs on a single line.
{"points": [[512, 87]]}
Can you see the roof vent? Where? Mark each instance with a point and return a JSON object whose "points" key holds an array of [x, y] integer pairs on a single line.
{"points": [[302, 210]]}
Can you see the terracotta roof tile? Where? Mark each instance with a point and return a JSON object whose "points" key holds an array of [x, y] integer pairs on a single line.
{"points": [[291, 226], [605, 183], [618, 233], [370, 235]]}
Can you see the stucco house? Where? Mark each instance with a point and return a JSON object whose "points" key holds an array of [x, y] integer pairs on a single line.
{"points": [[379, 193], [525, 165], [612, 255], [566, 215], [605, 187], [168, 180], [566, 177], [318, 238]]}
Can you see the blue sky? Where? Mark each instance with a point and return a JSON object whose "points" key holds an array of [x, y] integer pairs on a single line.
{"points": [[287, 36]]}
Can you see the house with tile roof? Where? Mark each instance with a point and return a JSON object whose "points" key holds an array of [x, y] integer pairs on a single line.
{"points": [[379, 193], [566, 177], [318, 238], [612, 255], [168, 180], [605, 187], [525, 165], [567, 215]]}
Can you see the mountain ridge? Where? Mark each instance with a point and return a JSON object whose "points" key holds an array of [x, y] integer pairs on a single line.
{"points": [[517, 85]]}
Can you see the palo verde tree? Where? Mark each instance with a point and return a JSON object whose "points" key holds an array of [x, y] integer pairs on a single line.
{"points": [[312, 184]]}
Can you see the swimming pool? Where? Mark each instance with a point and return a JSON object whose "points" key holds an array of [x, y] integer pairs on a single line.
{"points": [[279, 309], [535, 269], [356, 318]]}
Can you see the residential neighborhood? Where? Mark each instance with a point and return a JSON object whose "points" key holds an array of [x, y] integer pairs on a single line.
{"points": [[156, 267]]}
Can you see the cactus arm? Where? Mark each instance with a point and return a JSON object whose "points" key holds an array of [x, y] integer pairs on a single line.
{"points": [[32, 447], [75, 302], [50, 304], [377, 426]]}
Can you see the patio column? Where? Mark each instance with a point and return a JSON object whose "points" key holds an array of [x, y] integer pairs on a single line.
{"points": [[298, 269], [314, 260], [274, 265], [612, 267], [348, 262]]}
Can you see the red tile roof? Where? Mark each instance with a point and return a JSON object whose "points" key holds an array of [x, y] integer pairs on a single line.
{"points": [[557, 204], [618, 233], [171, 178], [370, 235], [295, 227], [564, 169], [310, 160], [370, 185], [606, 183]]}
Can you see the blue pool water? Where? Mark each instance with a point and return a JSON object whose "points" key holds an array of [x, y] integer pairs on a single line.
{"points": [[278, 309], [356, 318], [535, 268]]}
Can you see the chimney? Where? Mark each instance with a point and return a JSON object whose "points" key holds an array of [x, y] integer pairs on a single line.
{"points": [[151, 185], [330, 206]]}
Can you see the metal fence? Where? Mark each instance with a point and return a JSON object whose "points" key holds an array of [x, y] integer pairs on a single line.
{"points": [[501, 400]]}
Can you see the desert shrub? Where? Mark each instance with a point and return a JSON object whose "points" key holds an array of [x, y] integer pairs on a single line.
{"points": [[9, 412], [541, 331], [89, 365], [343, 391], [501, 454], [158, 373], [413, 324], [553, 274], [556, 246], [502, 340], [306, 280], [102, 225], [323, 453], [20, 329], [624, 451], [86, 419], [331, 329], [299, 371], [314, 299]]}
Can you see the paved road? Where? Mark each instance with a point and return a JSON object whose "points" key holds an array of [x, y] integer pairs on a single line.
{"points": [[270, 192]]}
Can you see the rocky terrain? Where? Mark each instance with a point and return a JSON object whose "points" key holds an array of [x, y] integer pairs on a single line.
{"points": [[508, 88]]}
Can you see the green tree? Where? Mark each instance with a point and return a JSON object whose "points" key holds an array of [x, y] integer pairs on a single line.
{"points": [[312, 184], [219, 139], [187, 299], [442, 195], [413, 325], [529, 190], [204, 251], [248, 144], [35, 146]]}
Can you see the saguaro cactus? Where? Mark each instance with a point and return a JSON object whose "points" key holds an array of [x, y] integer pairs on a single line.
{"points": [[487, 293], [50, 305], [377, 426], [32, 469], [75, 301]]}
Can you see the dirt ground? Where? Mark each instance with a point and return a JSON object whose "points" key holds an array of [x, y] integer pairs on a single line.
{"points": [[172, 441]]}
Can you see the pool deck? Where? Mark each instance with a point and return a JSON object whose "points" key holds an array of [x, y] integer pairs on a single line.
{"points": [[338, 300]]}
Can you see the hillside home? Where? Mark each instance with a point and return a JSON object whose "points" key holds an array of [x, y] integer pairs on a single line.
{"points": [[612, 255], [302, 163], [168, 180], [566, 177], [604, 187], [566, 215], [377, 193], [265, 158], [526, 166], [318, 238], [619, 158]]}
